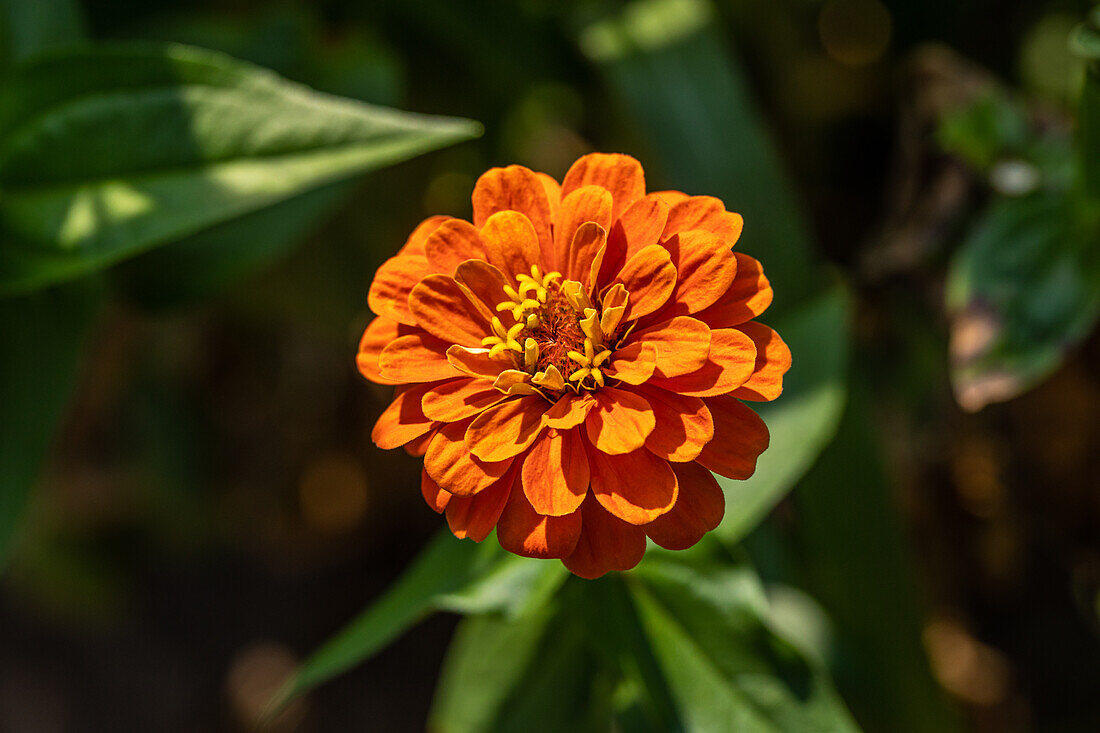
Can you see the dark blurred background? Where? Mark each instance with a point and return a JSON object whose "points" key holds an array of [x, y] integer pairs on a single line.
{"points": [[214, 508]]}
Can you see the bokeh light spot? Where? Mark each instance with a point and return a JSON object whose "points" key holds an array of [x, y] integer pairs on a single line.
{"points": [[854, 32]]}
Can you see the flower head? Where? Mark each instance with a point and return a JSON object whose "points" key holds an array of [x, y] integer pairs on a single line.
{"points": [[572, 364]]}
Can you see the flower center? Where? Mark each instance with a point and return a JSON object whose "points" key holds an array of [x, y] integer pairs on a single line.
{"points": [[563, 339]]}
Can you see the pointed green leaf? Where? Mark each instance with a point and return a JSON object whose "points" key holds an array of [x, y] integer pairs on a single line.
{"points": [[108, 151]]}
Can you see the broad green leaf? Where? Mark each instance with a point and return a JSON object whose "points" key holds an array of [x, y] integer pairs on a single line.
{"points": [[43, 334], [1022, 290], [108, 151], [685, 94], [449, 574], [857, 565], [726, 666], [802, 421], [28, 27], [530, 673]]}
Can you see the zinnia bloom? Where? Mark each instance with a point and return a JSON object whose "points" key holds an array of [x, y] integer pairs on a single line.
{"points": [[572, 364]]}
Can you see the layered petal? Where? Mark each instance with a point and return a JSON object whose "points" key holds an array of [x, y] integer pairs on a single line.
{"points": [[699, 508], [454, 242], [729, 364], [416, 241], [477, 362], [606, 543], [749, 295], [418, 357], [484, 281], [527, 533], [705, 270], [740, 436], [459, 399], [436, 497], [511, 243], [704, 213], [633, 364], [619, 422], [622, 175], [475, 516], [377, 336], [403, 420], [452, 466], [393, 281], [636, 487], [447, 309], [518, 189], [506, 430], [555, 473], [641, 225], [569, 411], [683, 424], [682, 345], [586, 204], [773, 359], [650, 277]]}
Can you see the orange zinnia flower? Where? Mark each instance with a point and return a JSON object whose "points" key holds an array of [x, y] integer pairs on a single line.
{"points": [[572, 364]]}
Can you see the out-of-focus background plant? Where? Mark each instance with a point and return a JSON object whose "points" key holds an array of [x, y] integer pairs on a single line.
{"points": [[197, 533]]}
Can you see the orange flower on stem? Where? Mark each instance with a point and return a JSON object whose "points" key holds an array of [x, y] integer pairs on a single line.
{"points": [[572, 364]]}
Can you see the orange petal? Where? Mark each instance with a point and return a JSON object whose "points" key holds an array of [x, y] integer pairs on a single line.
{"points": [[748, 296], [731, 361], [773, 359], [416, 241], [705, 213], [569, 411], [417, 447], [699, 508], [705, 270], [633, 364], [620, 421], [525, 532], [586, 204], [403, 420], [446, 309], [394, 280], [452, 467], [589, 240], [555, 473], [516, 188], [454, 242], [475, 516], [553, 193], [506, 430], [511, 244], [740, 436], [459, 399], [636, 487], [484, 281], [650, 277], [606, 543], [436, 497], [670, 198], [478, 363], [641, 225], [418, 357], [377, 336], [683, 426], [619, 174], [682, 343]]}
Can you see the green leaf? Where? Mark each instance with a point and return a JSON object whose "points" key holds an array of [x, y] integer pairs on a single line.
{"points": [[666, 62], [804, 418], [26, 28], [43, 335], [726, 666], [1022, 290], [449, 574], [214, 139], [530, 673]]}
